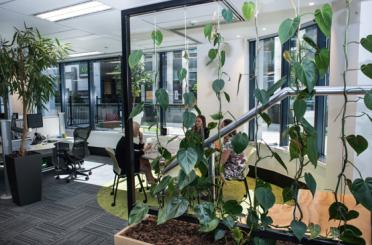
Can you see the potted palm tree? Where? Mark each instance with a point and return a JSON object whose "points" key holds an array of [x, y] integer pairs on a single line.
{"points": [[28, 55]]}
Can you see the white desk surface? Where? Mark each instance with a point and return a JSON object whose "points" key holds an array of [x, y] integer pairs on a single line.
{"points": [[48, 146]]}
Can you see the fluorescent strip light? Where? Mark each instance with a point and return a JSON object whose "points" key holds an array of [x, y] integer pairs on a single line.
{"points": [[74, 11], [84, 54]]}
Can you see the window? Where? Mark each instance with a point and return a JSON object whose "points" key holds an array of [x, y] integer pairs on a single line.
{"points": [[77, 94], [172, 62], [54, 104], [271, 68], [90, 92], [308, 51], [269, 65], [107, 94]]}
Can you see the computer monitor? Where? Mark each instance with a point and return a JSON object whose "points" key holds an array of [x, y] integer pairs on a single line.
{"points": [[35, 120]]}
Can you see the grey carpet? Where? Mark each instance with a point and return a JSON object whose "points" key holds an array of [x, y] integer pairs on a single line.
{"points": [[68, 214]]}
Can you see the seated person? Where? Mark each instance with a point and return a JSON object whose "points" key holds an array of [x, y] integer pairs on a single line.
{"points": [[141, 164], [200, 127], [224, 123], [235, 166]]}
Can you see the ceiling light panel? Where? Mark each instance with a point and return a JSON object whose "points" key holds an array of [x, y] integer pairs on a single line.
{"points": [[74, 11]]}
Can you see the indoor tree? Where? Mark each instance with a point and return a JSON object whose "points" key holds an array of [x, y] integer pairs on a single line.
{"points": [[29, 55]]}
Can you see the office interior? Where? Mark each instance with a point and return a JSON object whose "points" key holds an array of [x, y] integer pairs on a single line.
{"points": [[81, 206]]}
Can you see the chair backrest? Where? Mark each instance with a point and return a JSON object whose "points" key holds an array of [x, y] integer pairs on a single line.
{"points": [[115, 163], [81, 136]]}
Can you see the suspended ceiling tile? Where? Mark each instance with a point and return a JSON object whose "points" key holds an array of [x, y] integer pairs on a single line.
{"points": [[31, 7], [107, 22]]}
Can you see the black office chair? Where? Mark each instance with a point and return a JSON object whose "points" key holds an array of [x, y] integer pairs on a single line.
{"points": [[120, 175], [74, 159]]}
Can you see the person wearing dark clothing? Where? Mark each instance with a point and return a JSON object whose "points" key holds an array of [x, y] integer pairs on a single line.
{"points": [[141, 164], [200, 127]]}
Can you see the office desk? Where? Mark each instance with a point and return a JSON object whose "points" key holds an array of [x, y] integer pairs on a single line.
{"points": [[47, 150]]}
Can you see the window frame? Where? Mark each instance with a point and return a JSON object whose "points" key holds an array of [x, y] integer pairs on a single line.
{"points": [[320, 102]]}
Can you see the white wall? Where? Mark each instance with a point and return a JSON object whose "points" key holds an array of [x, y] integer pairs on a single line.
{"points": [[236, 63], [363, 125]]}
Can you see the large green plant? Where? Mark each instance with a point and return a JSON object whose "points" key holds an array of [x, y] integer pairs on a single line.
{"points": [[5, 72], [28, 56], [184, 193]]}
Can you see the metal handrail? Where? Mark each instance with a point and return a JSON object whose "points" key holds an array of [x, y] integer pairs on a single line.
{"points": [[277, 97]]}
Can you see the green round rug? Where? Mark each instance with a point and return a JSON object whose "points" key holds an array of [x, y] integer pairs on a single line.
{"points": [[233, 190]]}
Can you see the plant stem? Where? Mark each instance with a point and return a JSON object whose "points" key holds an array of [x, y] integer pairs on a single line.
{"points": [[344, 108]]}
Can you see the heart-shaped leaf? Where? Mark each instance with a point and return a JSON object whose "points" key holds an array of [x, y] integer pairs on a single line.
{"points": [[189, 99], [323, 18], [367, 42], [172, 209], [314, 230], [227, 15], [182, 73], [219, 234], [311, 42], [218, 85], [298, 229], [136, 110], [222, 58], [358, 143], [310, 182], [187, 159], [338, 211], [248, 10], [368, 100], [162, 98], [277, 85], [217, 116], [310, 73], [233, 208], [204, 212], [185, 179], [266, 118], [322, 61], [299, 107], [188, 119], [212, 125], [134, 58], [157, 37], [312, 149], [362, 191], [212, 54], [211, 226], [262, 96], [367, 70], [240, 142], [265, 197], [208, 31], [280, 160], [288, 29], [162, 185], [138, 213]]}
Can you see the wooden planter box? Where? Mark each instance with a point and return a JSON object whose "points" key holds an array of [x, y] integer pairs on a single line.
{"points": [[121, 239]]}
